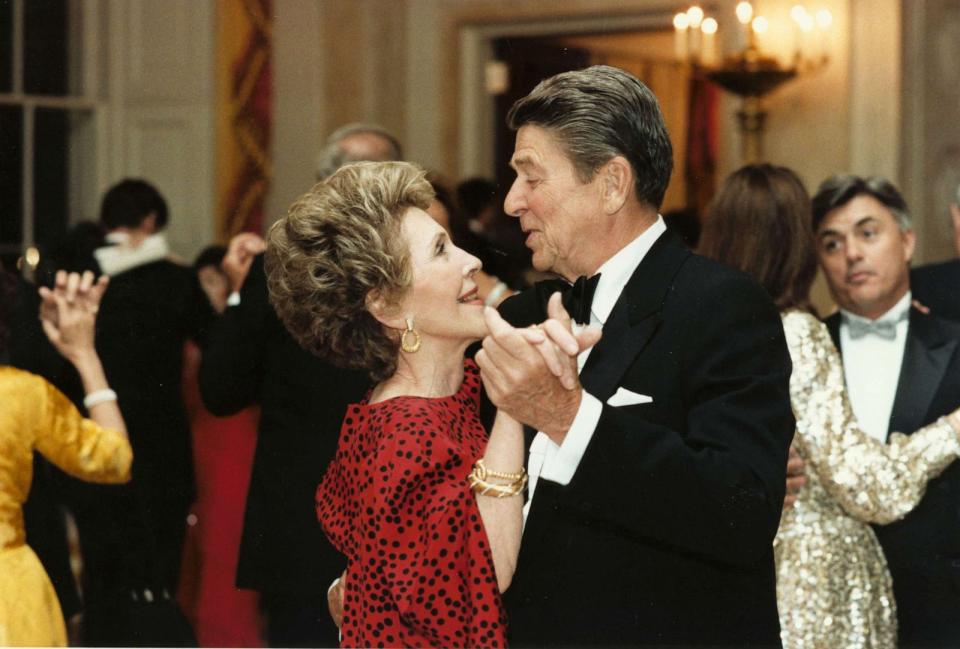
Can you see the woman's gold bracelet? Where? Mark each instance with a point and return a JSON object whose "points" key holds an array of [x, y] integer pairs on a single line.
{"points": [[491, 489], [482, 473], [480, 485]]}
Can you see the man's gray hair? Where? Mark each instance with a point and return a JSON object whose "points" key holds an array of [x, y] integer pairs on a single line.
{"points": [[599, 113], [837, 191], [333, 156]]}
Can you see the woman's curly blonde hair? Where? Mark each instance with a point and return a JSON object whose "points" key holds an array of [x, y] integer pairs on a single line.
{"points": [[340, 243]]}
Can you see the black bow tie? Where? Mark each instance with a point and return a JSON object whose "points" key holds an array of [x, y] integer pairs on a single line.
{"points": [[578, 298]]}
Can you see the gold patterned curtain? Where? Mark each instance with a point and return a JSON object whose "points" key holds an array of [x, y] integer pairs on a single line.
{"points": [[244, 101]]}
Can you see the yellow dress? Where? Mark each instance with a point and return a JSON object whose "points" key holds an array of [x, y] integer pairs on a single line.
{"points": [[35, 415], [833, 585]]}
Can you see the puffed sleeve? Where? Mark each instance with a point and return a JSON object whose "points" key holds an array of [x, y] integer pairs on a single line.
{"points": [[78, 445], [872, 481]]}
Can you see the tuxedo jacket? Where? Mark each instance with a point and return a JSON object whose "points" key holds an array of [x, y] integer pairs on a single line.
{"points": [[251, 358], [938, 287], [923, 549], [664, 535]]}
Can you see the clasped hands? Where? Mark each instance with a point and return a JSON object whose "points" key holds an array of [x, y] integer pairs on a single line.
{"points": [[531, 374]]}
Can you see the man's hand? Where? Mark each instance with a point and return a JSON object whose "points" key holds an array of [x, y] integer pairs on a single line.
{"points": [[795, 477], [240, 253], [335, 599], [532, 374]]}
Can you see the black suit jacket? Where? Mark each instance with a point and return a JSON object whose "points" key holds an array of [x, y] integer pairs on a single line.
{"points": [[938, 287], [664, 535], [251, 358], [923, 549], [132, 535]]}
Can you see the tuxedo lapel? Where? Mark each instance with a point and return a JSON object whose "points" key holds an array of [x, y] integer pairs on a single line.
{"points": [[833, 326], [634, 318], [925, 360]]}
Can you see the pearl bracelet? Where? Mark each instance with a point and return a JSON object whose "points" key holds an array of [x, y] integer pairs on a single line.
{"points": [[98, 397]]}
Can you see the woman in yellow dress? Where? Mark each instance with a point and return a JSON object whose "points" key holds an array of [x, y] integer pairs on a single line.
{"points": [[34, 415]]}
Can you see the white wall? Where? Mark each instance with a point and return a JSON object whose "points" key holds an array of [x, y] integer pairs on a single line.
{"points": [[159, 121]]}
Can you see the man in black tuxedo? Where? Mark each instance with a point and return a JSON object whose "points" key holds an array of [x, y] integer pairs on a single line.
{"points": [[902, 369], [250, 358], [937, 286], [657, 475]]}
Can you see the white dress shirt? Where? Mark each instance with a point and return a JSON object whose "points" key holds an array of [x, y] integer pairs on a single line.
{"points": [[548, 461], [871, 367]]}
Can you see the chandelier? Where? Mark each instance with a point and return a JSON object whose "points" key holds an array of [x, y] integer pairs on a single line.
{"points": [[753, 70]]}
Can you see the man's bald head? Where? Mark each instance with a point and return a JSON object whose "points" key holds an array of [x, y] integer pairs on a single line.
{"points": [[357, 143]]}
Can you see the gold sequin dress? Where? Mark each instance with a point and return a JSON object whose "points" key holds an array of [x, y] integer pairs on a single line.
{"points": [[35, 415], [833, 586]]}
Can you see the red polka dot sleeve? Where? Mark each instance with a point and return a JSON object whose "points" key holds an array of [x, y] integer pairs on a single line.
{"points": [[396, 502]]}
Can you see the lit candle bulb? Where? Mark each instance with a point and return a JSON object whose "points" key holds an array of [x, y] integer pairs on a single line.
{"points": [[824, 20], [680, 26], [759, 27], [709, 29], [744, 16], [695, 16]]}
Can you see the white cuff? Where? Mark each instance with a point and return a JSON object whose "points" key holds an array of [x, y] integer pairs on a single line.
{"points": [[560, 466], [233, 299]]}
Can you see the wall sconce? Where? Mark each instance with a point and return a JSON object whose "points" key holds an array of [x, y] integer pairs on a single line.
{"points": [[750, 72]]}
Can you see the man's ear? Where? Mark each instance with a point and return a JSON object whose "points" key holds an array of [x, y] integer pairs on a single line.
{"points": [[386, 314], [149, 223], [909, 243], [616, 177]]}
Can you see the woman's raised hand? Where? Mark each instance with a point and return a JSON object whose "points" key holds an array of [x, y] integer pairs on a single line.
{"points": [[68, 312]]}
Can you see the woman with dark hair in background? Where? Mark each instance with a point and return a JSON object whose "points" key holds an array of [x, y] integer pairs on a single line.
{"points": [[222, 614], [833, 585], [34, 415]]}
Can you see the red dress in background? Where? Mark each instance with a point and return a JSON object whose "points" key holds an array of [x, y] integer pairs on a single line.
{"points": [[396, 501], [222, 614]]}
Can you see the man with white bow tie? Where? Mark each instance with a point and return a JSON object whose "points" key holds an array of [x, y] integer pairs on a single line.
{"points": [[902, 370]]}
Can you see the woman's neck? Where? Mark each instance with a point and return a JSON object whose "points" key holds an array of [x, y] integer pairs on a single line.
{"points": [[430, 372]]}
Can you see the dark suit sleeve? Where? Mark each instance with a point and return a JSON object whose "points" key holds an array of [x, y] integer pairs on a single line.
{"points": [[714, 483], [231, 369]]}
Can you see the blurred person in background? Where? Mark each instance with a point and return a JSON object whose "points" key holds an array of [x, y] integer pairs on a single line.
{"points": [[222, 614], [498, 241], [131, 536], [937, 286], [35, 416], [445, 211]]}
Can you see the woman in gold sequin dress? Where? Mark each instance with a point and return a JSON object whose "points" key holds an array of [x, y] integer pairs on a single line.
{"points": [[833, 586], [36, 416]]}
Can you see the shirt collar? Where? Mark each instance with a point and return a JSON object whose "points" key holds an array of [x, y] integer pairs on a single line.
{"points": [[616, 271], [895, 313], [119, 257]]}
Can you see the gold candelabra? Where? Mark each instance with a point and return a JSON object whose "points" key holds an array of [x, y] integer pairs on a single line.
{"points": [[750, 73]]}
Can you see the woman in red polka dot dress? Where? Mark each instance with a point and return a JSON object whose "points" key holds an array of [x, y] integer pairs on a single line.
{"points": [[426, 507]]}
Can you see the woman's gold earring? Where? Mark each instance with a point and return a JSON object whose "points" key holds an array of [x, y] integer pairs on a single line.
{"points": [[405, 345]]}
